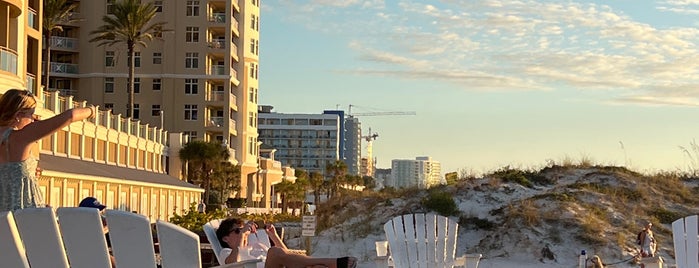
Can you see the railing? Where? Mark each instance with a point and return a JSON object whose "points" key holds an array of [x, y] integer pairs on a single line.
{"points": [[217, 17], [217, 44], [215, 122], [215, 96], [64, 68], [234, 48], [64, 42], [8, 60], [31, 83], [231, 123], [217, 70], [33, 19]]}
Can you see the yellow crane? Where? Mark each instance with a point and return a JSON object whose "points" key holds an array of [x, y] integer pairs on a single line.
{"points": [[370, 137]]}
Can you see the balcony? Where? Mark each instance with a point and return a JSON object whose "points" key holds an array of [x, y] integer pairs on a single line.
{"points": [[64, 68], [234, 27], [215, 121], [31, 84], [217, 17], [66, 43], [215, 96], [33, 19], [217, 70], [218, 44], [8, 60]]}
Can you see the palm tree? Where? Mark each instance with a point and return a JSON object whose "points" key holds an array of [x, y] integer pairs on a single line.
{"points": [[129, 24], [315, 181], [56, 14], [336, 170], [226, 178], [202, 159], [284, 189]]}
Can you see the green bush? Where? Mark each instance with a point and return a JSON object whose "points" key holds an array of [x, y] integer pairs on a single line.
{"points": [[442, 203], [194, 221]]}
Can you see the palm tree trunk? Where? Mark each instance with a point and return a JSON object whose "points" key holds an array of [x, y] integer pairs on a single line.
{"points": [[132, 81]]}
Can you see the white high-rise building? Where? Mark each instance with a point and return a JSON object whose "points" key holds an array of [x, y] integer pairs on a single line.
{"points": [[422, 172]]}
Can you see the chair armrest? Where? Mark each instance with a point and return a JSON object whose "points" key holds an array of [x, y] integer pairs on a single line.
{"points": [[468, 260], [297, 251], [241, 264]]}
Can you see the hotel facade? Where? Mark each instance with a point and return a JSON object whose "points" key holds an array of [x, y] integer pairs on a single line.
{"points": [[199, 78]]}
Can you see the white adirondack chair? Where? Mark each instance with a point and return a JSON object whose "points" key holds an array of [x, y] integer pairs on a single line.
{"points": [[210, 232], [35, 236], [685, 233], [12, 251], [424, 241]]}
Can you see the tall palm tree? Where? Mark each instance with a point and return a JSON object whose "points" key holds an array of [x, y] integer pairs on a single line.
{"points": [[315, 181], [202, 159], [226, 178], [129, 24], [336, 170], [56, 14]]}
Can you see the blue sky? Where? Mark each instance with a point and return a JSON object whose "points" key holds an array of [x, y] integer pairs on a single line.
{"points": [[495, 82]]}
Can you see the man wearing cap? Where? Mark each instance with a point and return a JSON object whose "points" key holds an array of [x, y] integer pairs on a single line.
{"points": [[91, 202], [647, 241]]}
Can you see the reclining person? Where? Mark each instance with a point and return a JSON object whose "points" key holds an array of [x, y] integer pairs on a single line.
{"points": [[233, 234]]}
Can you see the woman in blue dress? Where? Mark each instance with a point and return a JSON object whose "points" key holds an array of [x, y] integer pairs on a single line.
{"points": [[19, 130]]}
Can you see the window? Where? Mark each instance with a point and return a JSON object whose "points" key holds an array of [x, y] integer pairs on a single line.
{"points": [[191, 34], [156, 83], [190, 112], [109, 58], [158, 6], [192, 8], [251, 119], [137, 58], [191, 134], [157, 58], [253, 70], [253, 19], [137, 85], [158, 31], [191, 60], [255, 2], [252, 95], [109, 85], [136, 111], [191, 86], [109, 106], [253, 46], [155, 110], [110, 6]]}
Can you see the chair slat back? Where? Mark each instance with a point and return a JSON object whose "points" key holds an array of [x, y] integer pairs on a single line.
{"points": [[131, 238], [38, 229], [179, 247], [422, 240], [12, 253], [210, 232], [81, 229], [685, 236]]}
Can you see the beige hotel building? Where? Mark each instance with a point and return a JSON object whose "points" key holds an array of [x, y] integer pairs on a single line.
{"points": [[198, 81]]}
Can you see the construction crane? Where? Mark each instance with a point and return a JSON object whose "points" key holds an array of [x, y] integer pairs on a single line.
{"points": [[349, 112], [370, 162]]}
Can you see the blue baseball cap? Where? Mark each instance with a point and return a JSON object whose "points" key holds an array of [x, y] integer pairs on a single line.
{"points": [[91, 202]]}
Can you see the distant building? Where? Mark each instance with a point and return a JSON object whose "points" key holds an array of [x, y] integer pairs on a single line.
{"points": [[353, 145], [382, 176], [422, 172], [303, 141]]}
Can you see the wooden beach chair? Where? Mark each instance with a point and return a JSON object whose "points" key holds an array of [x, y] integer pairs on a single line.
{"points": [[36, 236], [424, 241], [685, 232]]}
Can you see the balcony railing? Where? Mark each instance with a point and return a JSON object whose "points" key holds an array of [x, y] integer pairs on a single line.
{"points": [[215, 122], [215, 96], [217, 70], [64, 68], [217, 17], [64, 42], [33, 19], [217, 44], [31, 83], [8, 60]]}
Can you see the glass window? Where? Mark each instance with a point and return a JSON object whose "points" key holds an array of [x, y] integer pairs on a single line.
{"points": [[158, 6], [109, 85], [137, 85], [192, 8], [191, 86], [192, 34], [190, 112], [110, 6], [157, 58], [156, 83], [155, 110], [109, 58], [191, 60], [136, 111]]}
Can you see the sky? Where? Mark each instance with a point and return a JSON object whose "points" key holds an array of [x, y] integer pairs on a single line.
{"points": [[495, 83]]}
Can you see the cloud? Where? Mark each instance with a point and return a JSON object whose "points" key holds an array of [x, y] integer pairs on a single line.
{"points": [[518, 44]]}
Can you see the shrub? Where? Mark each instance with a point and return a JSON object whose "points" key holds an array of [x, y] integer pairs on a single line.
{"points": [[442, 203], [194, 221]]}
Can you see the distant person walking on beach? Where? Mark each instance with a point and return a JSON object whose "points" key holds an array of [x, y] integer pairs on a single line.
{"points": [[647, 241]]}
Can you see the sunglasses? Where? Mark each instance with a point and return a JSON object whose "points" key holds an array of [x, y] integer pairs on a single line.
{"points": [[236, 230]]}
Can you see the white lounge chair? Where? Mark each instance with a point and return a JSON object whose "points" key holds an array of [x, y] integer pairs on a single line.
{"points": [[35, 236], [210, 232], [685, 233], [424, 240]]}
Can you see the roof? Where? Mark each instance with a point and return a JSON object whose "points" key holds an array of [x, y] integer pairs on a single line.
{"points": [[87, 168]]}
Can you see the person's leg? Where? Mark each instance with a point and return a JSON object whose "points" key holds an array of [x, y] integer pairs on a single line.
{"points": [[279, 257]]}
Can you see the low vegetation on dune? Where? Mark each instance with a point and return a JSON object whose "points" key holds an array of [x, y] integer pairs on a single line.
{"points": [[515, 213]]}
